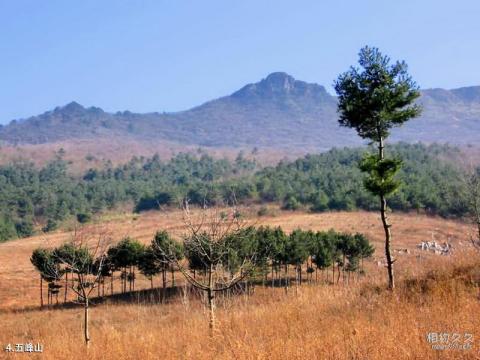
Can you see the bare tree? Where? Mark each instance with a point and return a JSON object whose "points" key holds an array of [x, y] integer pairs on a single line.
{"points": [[221, 241], [84, 257]]}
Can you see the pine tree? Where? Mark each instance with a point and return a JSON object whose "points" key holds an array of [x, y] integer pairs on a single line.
{"points": [[373, 100]]}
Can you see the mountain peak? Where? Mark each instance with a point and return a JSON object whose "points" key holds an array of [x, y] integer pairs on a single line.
{"points": [[279, 84], [73, 105], [70, 108], [74, 108], [280, 80]]}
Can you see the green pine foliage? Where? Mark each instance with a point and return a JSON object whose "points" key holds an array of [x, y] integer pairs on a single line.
{"points": [[334, 181], [322, 182], [264, 247]]}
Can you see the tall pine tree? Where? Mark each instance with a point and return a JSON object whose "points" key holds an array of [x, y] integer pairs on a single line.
{"points": [[372, 100]]}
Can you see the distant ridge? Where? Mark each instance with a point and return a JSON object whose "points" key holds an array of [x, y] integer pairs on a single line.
{"points": [[276, 112]]}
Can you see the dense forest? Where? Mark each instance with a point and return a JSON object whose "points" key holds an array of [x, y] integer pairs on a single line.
{"points": [[32, 197]]}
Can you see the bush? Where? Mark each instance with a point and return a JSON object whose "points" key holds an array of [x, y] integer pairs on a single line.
{"points": [[153, 202], [24, 228], [7, 229], [320, 202], [51, 225], [83, 218], [291, 203], [263, 211]]}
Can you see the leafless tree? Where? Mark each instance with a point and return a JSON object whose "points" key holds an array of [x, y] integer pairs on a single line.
{"points": [[217, 240], [84, 257]]}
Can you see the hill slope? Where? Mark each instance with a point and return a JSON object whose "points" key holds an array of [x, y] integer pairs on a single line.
{"points": [[278, 112]]}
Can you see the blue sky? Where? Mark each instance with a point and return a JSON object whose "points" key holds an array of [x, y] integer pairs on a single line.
{"points": [[172, 55]]}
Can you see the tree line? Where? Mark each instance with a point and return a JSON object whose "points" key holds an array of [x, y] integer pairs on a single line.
{"points": [[275, 254], [211, 259], [44, 197]]}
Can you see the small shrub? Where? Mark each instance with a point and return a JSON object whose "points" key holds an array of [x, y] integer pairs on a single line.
{"points": [[291, 203], [263, 211], [24, 228], [51, 225], [83, 218]]}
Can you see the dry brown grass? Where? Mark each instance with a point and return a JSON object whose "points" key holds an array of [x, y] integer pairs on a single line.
{"points": [[19, 281], [320, 322], [359, 321], [120, 150]]}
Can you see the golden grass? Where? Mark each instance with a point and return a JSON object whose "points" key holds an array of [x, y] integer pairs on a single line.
{"points": [[19, 280], [319, 322], [359, 321]]}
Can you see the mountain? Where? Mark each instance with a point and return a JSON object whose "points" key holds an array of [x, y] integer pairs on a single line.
{"points": [[277, 112]]}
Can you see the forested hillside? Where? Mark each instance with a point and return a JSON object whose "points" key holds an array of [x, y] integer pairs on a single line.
{"points": [[332, 180], [32, 198]]}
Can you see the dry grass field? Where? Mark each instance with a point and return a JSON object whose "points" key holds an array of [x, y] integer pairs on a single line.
{"points": [[356, 321], [121, 150]]}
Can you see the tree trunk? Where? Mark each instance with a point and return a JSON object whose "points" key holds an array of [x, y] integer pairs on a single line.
{"points": [[273, 275], [41, 291], [333, 273], [211, 300], [173, 276], [66, 286], [265, 274], [211, 309], [386, 227], [133, 278], [86, 319], [130, 282], [164, 284], [300, 273], [297, 279], [388, 237]]}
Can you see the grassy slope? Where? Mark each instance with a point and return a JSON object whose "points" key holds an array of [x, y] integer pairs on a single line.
{"points": [[320, 322], [19, 281]]}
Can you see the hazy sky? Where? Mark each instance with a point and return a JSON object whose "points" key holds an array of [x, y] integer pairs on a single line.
{"points": [[171, 55]]}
